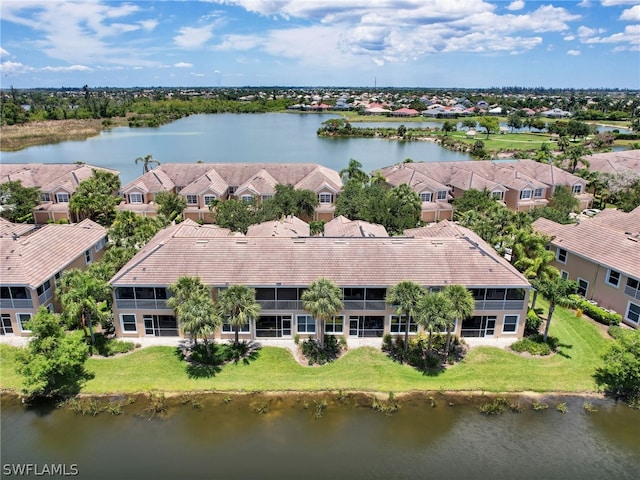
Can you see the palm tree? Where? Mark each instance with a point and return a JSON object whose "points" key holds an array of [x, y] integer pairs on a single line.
{"points": [[530, 257], [554, 289], [80, 294], [146, 161], [378, 179], [354, 172], [183, 289], [462, 306], [434, 311], [576, 155], [404, 298], [238, 307], [199, 317], [323, 300]]}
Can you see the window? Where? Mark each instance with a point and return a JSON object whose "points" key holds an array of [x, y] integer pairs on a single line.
{"points": [[135, 198], [632, 289], [266, 197], [232, 189], [510, 324], [583, 287], [228, 328], [633, 313], [306, 324], [561, 255], [208, 199], [247, 198], [325, 198], [442, 195], [128, 323], [100, 244], [425, 196], [23, 318], [525, 194], [192, 199], [62, 197], [5, 326], [398, 324], [577, 189], [45, 197], [538, 193], [613, 278], [497, 195], [335, 325], [46, 286], [88, 256], [564, 274]]}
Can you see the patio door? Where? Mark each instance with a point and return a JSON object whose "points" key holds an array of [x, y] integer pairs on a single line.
{"points": [[354, 326], [160, 326], [490, 327], [5, 327]]}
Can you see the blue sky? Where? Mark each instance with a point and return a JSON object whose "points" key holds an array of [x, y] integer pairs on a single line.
{"points": [[389, 43]]}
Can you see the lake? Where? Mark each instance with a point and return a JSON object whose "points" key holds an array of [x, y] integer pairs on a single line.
{"points": [[298, 436], [270, 137]]}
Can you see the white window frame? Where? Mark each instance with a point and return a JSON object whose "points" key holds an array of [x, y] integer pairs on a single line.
{"points": [[576, 189], [333, 322], [20, 321], [322, 198], [538, 193], [526, 194], [191, 199], [88, 256], [564, 274], [61, 196], [247, 198], [441, 195], [497, 195], [413, 326], [306, 324], [6, 316], [504, 324], [100, 244], [208, 198], [122, 323], [426, 196], [608, 278], [586, 290], [266, 197], [635, 289], [45, 197], [227, 328], [628, 310], [566, 254], [136, 197]]}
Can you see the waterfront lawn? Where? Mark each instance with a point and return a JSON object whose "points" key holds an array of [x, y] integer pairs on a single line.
{"points": [[366, 369]]}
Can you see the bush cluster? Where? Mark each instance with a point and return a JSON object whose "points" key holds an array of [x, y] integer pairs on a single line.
{"points": [[417, 353], [536, 345], [320, 355], [595, 312], [533, 323], [107, 347]]}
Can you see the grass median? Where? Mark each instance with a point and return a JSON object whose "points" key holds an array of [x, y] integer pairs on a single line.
{"points": [[364, 369]]}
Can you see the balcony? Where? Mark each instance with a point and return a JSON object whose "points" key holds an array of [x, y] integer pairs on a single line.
{"points": [[499, 305], [365, 305], [133, 304], [16, 303], [280, 304]]}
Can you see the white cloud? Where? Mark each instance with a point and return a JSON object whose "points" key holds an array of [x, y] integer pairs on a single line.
{"points": [[183, 65], [613, 3], [193, 74], [148, 25], [14, 67], [568, 38], [574, 53], [193, 37], [70, 68], [3, 53], [239, 42], [584, 3], [516, 5], [632, 14], [630, 35]]}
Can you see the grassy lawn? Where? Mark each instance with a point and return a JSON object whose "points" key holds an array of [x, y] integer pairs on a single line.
{"points": [[485, 368]]}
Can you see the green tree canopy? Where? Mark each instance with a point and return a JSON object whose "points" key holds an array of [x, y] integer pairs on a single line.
{"points": [[619, 373], [130, 230], [462, 307], [323, 300], [171, 205], [95, 198], [53, 363], [17, 202], [434, 311], [236, 215], [404, 297], [288, 200], [554, 289], [146, 161], [354, 172], [490, 124], [403, 208], [238, 307]]}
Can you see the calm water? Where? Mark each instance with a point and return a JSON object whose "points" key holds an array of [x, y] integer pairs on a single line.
{"points": [[273, 137], [229, 440]]}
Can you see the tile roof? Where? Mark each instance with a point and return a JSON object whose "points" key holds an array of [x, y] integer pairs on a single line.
{"points": [[49, 176], [290, 226], [210, 181], [295, 261], [616, 162], [9, 229], [618, 220], [341, 226], [32, 259], [607, 246]]}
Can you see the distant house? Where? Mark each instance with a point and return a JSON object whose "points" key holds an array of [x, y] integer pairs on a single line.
{"points": [[625, 163], [341, 226], [405, 112], [520, 184], [555, 113], [57, 182], [202, 183], [602, 254], [34, 260], [281, 268], [289, 226]]}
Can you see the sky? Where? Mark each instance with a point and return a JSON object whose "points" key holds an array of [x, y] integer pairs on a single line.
{"points": [[346, 43]]}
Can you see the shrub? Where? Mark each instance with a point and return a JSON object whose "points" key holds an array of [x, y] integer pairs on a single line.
{"points": [[599, 314], [108, 347], [416, 355], [320, 355], [615, 331], [533, 323], [535, 345]]}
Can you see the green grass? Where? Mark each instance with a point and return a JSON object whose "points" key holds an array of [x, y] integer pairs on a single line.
{"points": [[366, 369]]}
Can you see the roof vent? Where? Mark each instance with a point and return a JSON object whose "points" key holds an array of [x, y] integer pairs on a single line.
{"points": [[299, 240], [202, 241], [242, 241]]}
